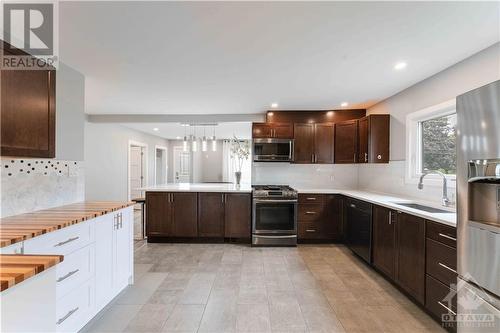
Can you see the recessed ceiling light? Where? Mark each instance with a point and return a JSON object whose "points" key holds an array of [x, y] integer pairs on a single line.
{"points": [[178, 137], [344, 104], [400, 65], [274, 105], [156, 129]]}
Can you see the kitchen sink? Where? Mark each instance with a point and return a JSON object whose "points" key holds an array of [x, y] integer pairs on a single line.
{"points": [[421, 207]]}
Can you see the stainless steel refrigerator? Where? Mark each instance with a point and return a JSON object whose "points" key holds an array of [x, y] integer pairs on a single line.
{"points": [[478, 209]]}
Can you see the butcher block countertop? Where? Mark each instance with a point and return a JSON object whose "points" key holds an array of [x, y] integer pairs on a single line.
{"points": [[15, 268], [14, 229]]}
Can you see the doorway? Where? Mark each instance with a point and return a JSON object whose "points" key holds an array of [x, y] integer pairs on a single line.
{"points": [[161, 168], [137, 178], [182, 165]]}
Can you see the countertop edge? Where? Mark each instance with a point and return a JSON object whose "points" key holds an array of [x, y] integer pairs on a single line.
{"points": [[9, 222], [16, 268]]}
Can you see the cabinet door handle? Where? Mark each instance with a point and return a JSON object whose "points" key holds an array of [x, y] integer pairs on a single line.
{"points": [[310, 213], [121, 220], [447, 267], [448, 237], [61, 320], [67, 241], [311, 198], [390, 218], [366, 157], [354, 158], [62, 278], [310, 230], [447, 308], [352, 205]]}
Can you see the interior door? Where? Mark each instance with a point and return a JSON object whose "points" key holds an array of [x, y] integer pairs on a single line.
{"points": [[323, 143], [182, 165], [136, 180], [346, 141], [304, 143]]}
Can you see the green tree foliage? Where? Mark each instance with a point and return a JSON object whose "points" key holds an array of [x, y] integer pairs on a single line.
{"points": [[439, 144]]}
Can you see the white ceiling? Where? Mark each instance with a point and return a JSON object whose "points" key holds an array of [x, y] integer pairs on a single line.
{"points": [[227, 130], [238, 57]]}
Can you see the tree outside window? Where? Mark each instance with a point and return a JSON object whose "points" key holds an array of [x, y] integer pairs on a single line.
{"points": [[439, 144]]}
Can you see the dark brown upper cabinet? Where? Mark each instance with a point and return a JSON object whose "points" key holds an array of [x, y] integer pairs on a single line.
{"points": [[313, 143], [28, 116], [28, 112], [274, 130], [373, 134], [346, 142]]}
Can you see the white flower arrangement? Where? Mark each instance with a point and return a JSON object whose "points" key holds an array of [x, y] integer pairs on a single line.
{"points": [[240, 151]]}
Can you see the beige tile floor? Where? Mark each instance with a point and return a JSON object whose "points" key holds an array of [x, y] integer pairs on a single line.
{"points": [[237, 288]]}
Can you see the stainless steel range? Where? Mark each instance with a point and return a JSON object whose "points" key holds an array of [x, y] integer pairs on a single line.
{"points": [[274, 218]]}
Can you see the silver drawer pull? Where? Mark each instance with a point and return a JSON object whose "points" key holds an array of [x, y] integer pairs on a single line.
{"points": [[447, 267], [310, 213], [310, 198], [352, 205], [447, 308], [62, 278], [60, 321], [448, 237], [310, 230], [67, 241]]}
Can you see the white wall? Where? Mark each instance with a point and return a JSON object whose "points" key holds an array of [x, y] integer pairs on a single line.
{"points": [[106, 160], [70, 113]]}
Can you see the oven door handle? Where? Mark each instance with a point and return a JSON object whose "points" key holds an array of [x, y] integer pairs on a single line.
{"points": [[287, 236], [274, 201]]}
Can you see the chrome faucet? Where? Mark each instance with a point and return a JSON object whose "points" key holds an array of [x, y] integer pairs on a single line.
{"points": [[445, 200]]}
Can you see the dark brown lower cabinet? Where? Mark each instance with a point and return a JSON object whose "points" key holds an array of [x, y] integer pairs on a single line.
{"points": [[319, 217], [410, 255], [158, 214], [238, 215], [384, 241], [211, 214], [441, 301], [185, 214]]}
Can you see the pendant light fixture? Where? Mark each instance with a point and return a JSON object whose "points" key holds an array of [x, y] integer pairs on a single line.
{"points": [[194, 142], [214, 142], [204, 141], [185, 141]]}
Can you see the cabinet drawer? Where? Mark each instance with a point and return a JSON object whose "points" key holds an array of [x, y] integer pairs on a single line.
{"points": [[311, 198], [310, 212], [442, 233], [63, 241], [75, 309], [439, 299], [309, 231], [76, 268], [441, 262]]}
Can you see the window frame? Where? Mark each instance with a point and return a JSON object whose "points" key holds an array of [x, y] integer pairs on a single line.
{"points": [[414, 143]]}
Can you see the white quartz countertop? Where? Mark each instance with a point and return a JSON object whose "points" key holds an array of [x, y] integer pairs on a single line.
{"points": [[199, 187], [388, 200]]}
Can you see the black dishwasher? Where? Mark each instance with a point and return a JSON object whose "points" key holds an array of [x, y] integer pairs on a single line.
{"points": [[358, 224]]}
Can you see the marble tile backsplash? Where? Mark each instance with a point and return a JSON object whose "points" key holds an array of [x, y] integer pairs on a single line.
{"points": [[33, 184]]}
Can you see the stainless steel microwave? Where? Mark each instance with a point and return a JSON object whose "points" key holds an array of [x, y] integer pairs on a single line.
{"points": [[273, 150]]}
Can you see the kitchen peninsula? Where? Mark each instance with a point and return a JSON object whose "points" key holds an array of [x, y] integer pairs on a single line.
{"points": [[194, 211]]}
